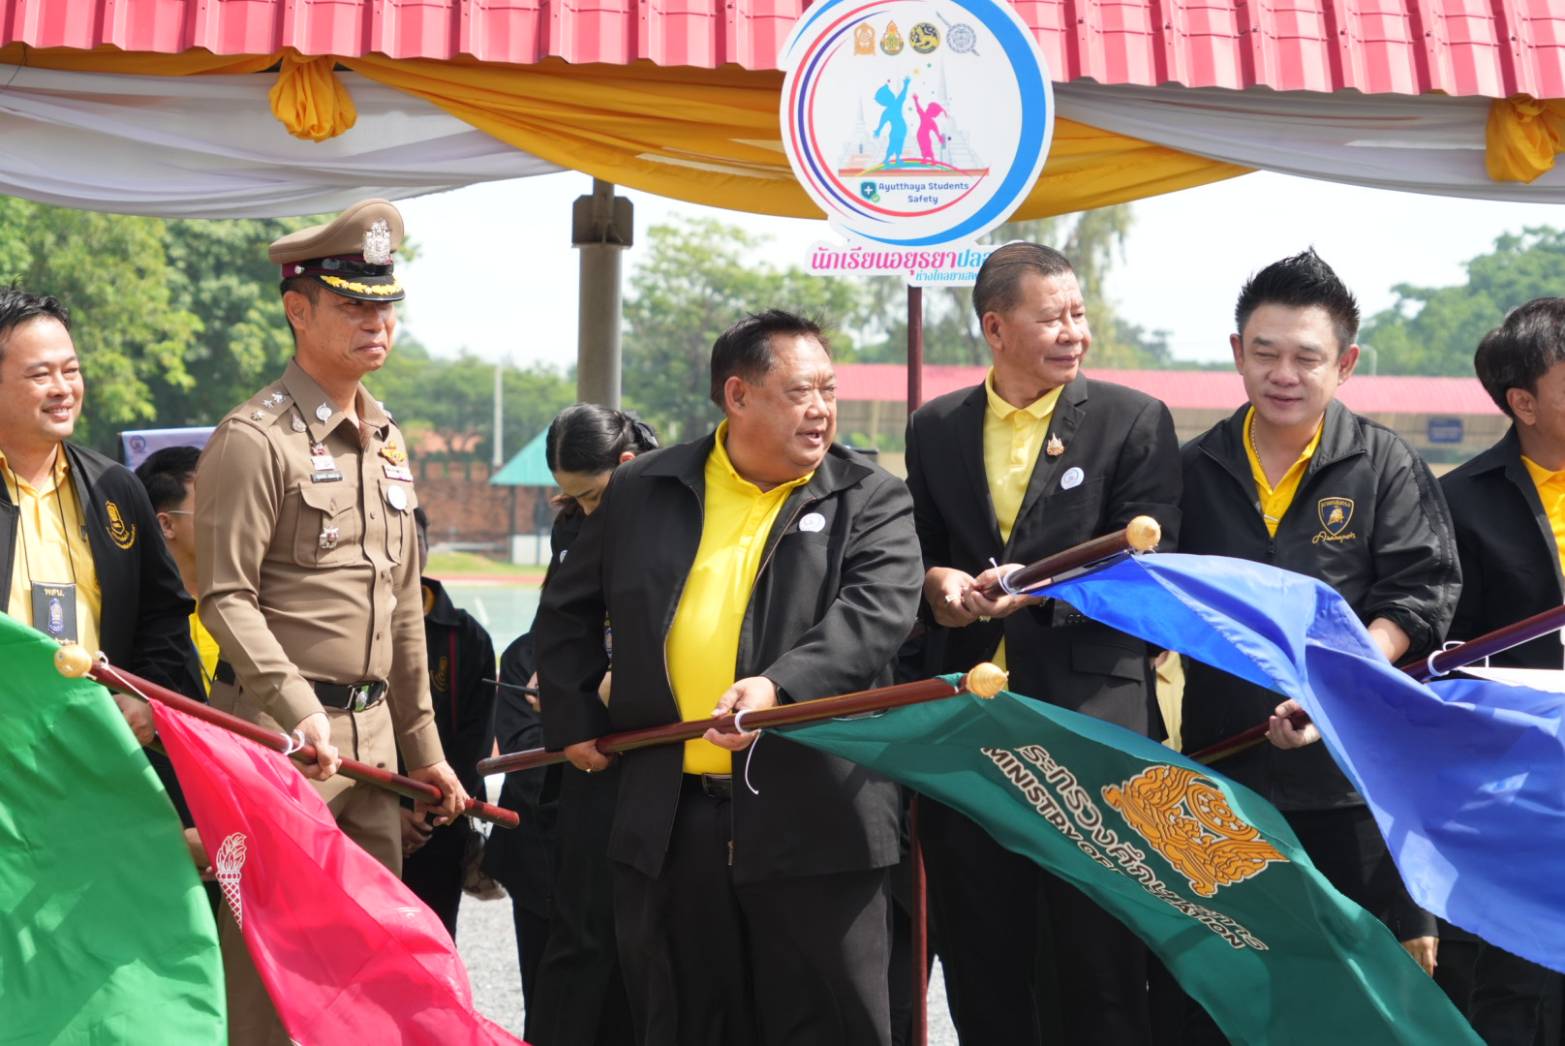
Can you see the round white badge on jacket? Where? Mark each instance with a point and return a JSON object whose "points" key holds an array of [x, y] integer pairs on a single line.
{"points": [[397, 498], [812, 522], [1072, 478]]}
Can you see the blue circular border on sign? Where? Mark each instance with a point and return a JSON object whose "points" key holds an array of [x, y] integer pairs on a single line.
{"points": [[1031, 84]]}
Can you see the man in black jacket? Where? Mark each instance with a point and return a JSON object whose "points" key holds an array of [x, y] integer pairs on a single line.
{"points": [[1035, 460], [1508, 504], [758, 565], [1297, 480], [81, 554]]}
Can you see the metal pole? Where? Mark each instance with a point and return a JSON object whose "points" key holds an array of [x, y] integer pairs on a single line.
{"points": [[499, 431], [601, 227], [919, 916], [915, 349]]}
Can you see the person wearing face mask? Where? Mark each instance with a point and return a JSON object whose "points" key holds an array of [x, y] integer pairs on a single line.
{"points": [[757, 565], [555, 865], [1295, 479], [1036, 459]]}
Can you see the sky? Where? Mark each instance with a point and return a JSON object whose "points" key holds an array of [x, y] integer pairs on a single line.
{"points": [[496, 274]]}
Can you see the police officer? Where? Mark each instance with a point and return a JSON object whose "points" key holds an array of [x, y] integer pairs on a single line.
{"points": [[308, 561]]}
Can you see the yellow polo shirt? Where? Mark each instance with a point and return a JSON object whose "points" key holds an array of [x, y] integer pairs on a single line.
{"points": [[1013, 436], [1551, 491], [51, 545], [206, 648], [1275, 501], [703, 642]]}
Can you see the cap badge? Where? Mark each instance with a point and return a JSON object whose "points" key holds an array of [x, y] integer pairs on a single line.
{"points": [[377, 243]]}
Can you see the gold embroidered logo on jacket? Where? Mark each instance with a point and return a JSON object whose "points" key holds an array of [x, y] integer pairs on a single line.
{"points": [[1187, 819], [1335, 514], [122, 535]]}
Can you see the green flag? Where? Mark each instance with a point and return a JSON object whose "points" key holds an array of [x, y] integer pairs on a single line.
{"points": [[106, 935], [1205, 871]]}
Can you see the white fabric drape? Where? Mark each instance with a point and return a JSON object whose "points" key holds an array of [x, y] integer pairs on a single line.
{"points": [[209, 147], [1424, 143]]}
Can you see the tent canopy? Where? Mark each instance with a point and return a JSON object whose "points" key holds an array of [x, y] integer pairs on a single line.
{"points": [[529, 468], [1491, 48]]}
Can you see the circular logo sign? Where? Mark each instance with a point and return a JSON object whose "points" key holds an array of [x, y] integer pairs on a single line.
{"points": [[915, 123]]}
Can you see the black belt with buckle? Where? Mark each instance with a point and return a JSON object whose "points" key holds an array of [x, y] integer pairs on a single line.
{"points": [[713, 786], [351, 697]]}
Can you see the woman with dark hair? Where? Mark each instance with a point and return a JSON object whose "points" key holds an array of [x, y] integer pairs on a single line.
{"points": [[555, 865]]}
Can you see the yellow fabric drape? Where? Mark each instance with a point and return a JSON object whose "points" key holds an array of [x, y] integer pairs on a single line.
{"points": [[1522, 137], [707, 136], [711, 136], [309, 100]]}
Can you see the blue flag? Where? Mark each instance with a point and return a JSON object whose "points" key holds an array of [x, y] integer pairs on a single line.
{"points": [[1466, 778]]}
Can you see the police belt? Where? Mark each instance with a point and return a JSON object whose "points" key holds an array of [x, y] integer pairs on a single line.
{"points": [[351, 697]]}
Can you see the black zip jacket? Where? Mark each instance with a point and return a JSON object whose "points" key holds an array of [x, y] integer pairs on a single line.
{"points": [[1370, 521], [145, 623], [1510, 565], [829, 609]]}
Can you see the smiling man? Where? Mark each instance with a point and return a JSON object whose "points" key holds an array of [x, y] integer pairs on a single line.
{"points": [[76, 530], [1036, 459], [1297, 480], [307, 556], [760, 564]]}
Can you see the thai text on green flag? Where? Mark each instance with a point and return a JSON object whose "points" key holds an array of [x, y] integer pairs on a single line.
{"points": [[1205, 871], [105, 932]]}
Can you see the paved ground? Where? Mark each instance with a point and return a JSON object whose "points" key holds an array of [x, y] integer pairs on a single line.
{"points": [[488, 945]]}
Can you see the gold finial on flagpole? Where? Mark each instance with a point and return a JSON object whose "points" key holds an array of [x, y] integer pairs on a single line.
{"points": [[1143, 533], [985, 680], [72, 661]]}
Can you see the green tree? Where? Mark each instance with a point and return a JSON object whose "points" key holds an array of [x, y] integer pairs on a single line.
{"points": [[114, 274], [697, 277], [1434, 330]]}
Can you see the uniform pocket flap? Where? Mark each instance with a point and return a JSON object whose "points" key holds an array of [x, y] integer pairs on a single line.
{"points": [[327, 499]]}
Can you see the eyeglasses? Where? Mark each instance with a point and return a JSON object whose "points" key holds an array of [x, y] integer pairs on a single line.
{"points": [[178, 512]]}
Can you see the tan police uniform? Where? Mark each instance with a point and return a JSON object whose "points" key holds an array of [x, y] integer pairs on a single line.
{"points": [[307, 561]]}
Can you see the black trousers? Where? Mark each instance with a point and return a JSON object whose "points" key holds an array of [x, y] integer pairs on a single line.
{"points": [[434, 871], [579, 995], [1028, 959], [800, 961], [1514, 1002]]}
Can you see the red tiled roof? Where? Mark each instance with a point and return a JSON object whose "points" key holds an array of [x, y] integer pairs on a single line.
{"points": [[1187, 389], [1493, 48]]}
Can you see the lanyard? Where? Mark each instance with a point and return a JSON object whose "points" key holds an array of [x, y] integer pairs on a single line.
{"points": [[65, 527]]}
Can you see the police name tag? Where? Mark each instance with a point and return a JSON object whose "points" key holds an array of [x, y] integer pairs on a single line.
{"points": [[331, 476], [398, 472], [322, 462]]}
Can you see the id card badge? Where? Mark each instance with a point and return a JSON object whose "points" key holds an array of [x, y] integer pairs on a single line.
{"points": [[54, 610]]}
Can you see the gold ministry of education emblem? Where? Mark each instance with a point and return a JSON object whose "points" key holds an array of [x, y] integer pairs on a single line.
{"points": [[1187, 820]]}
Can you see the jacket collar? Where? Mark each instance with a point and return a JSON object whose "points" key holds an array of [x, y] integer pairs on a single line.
{"points": [[1505, 457], [441, 611], [309, 398], [686, 462], [1340, 438]]}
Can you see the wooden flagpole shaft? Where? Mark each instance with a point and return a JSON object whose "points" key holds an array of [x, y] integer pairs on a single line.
{"points": [[1437, 664], [1140, 535], [74, 661], [985, 680]]}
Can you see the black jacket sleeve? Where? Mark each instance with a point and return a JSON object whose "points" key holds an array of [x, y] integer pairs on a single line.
{"points": [[876, 601], [568, 636], [516, 726], [1413, 547], [163, 651], [474, 726], [1148, 480]]}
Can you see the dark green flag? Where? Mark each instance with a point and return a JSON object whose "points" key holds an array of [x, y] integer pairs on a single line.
{"points": [[1205, 871], [106, 935]]}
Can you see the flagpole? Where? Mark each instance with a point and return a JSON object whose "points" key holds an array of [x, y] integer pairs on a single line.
{"points": [[1141, 534], [1440, 663], [75, 662], [985, 680]]}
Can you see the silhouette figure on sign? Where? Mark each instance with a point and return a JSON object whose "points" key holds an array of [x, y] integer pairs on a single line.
{"points": [[927, 131], [891, 117]]}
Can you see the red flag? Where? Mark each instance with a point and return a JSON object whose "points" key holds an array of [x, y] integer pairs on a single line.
{"points": [[348, 954]]}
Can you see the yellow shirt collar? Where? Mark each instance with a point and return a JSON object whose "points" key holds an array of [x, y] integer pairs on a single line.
{"points": [[1039, 408], [61, 469], [1299, 463], [1541, 476], [730, 476]]}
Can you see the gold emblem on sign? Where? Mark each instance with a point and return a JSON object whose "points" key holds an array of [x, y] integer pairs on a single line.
{"points": [[891, 39], [1187, 819], [394, 454], [122, 535], [864, 39]]}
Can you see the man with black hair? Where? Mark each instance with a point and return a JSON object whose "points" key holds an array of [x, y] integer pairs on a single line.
{"points": [[1297, 480], [760, 564], [169, 477], [76, 530], [1508, 504], [1036, 459]]}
